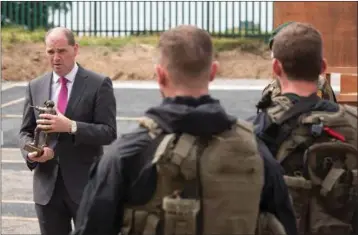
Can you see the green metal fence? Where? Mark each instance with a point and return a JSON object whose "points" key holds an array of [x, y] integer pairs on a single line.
{"points": [[121, 18]]}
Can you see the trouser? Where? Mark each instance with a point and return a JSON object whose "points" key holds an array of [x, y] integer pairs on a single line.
{"points": [[55, 217]]}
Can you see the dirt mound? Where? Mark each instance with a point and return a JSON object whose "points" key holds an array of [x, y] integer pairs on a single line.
{"points": [[134, 62]]}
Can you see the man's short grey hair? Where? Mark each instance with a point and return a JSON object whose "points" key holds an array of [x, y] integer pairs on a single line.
{"points": [[67, 32]]}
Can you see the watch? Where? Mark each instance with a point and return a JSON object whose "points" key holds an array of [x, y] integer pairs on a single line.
{"points": [[73, 127]]}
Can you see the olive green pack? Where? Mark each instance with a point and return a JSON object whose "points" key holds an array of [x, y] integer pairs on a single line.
{"points": [[320, 170], [204, 186]]}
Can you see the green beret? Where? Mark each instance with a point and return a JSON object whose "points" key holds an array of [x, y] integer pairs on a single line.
{"points": [[275, 32]]}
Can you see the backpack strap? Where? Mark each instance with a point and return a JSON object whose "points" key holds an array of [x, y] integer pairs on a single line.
{"points": [[285, 117], [152, 126], [182, 206]]}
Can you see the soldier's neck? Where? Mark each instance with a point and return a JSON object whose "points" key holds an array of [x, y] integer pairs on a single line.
{"points": [[300, 88]]}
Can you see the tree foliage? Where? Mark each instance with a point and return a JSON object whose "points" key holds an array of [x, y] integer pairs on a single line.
{"points": [[30, 14]]}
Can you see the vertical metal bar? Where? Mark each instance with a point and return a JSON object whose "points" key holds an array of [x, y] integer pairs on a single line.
{"points": [[35, 14], [176, 12], [11, 10], [3, 8], [189, 18], [5, 5], [213, 17], [91, 19], [151, 17], [59, 12], [84, 19], [132, 18], [106, 15], [138, 18], [59, 18], [29, 15], [78, 17], [163, 10], [131, 30], [170, 14], [260, 19], [119, 19], [125, 18], [227, 20], [266, 19], [246, 19], [253, 19], [23, 14], [112, 19], [202, 15], [207, 16], [239, 19], [196, 12], [233, 19], [100, 19], [17, 8], [138, 13], [157, 11], [145, 17], [182, 12], [220, 34], [72, 17]]}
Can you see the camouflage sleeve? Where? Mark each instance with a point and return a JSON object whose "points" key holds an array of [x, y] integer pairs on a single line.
{"points": [[325, 90], [273, 86]]}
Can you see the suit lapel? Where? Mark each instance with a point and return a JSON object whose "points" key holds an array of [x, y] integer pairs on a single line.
{"points": [[78, 87], [44, 90]]}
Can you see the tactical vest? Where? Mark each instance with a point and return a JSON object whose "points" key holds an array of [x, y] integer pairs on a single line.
{"points": [[204, 185], [319, 155]]}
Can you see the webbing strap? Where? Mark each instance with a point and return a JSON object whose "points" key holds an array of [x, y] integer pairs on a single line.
{"points": [[355, 177], [162, 147], [329, 181], [268, 223], [279, 130], [181, 206], [151, 224], [182, 148], [151, 125], [297, 182], [303, 106]]}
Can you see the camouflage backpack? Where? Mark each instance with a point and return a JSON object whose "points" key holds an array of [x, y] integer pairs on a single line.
{"points": [[204, 185], [318, 151]]}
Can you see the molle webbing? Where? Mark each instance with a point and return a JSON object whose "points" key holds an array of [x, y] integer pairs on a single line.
{"points": [[180, 215], [198, 179]]}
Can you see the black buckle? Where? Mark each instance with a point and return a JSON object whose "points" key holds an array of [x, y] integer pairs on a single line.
{"points": [[317, 129]]}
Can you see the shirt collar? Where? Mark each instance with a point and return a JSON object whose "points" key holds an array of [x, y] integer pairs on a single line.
{"points": [[70, 76]]}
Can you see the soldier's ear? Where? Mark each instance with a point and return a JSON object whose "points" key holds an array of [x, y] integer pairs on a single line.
{"points": [[161, 75], [277, 67], [214, 69], [323, 65]]}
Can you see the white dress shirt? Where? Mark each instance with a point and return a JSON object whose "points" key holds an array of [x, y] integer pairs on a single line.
{"points": [[56, 84]]}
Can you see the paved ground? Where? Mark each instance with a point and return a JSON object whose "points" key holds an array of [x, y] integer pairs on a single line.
{"points": [[18, 215]]}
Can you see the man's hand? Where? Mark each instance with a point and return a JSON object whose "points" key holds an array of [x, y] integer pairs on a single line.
{"points": [[54, 123], [48, 154]]}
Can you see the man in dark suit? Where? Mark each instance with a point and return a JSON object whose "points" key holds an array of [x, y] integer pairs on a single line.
{"points": [[86, 121]]}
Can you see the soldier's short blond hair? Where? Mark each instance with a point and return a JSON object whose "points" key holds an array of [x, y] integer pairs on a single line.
{"points": [[186, 52]]}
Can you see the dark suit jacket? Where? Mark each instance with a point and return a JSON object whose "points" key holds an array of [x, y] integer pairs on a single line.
{"points": [[92, 105]]}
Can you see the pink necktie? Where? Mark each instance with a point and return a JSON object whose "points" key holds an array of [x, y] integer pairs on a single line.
{"points": [[62, 96]]}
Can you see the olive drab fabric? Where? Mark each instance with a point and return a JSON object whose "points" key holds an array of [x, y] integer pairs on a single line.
{"points": [[320, 159], [324, 89], [268, 224], [208, 185]]}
